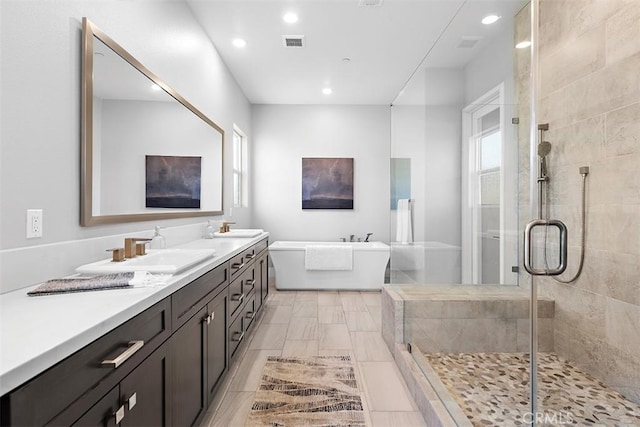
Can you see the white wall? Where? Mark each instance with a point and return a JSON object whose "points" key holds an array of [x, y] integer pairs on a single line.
{"points": [[490, 67], [284, 134], [132, 130], [40, 124], [428, 132]]}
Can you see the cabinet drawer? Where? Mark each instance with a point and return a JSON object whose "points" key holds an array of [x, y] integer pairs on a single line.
{"points": [[250, 311], [126, 346], [239, 290], [241, 262], [236, 335], [261, 246], [191, 298]]}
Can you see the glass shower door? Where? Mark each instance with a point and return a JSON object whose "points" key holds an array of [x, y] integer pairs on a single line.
{"points": [[460, 131]]}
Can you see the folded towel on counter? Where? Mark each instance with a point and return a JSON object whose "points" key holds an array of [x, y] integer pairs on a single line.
{"points": [[144, 279], [328, 257], [79, 284], [138, 279]]}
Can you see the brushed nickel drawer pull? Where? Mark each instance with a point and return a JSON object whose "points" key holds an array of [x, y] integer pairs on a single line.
{"points": [[119, 414], [237, 297], [250, 315], [250, 256], [251, 282], [237, 265], [240, 338], [134, 346], [133, 400], [210, 317]]}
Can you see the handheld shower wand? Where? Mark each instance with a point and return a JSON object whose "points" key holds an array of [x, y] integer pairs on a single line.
{"points": [[544, 148]]}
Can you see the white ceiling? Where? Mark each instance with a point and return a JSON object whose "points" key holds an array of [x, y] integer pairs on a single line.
{"points": [[385, 44]]}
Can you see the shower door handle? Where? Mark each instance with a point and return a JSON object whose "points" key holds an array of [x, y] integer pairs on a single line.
{"points": [[528, 248]]}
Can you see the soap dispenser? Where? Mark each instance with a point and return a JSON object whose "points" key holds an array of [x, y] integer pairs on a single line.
{"points": [[209, 230], [158, 241]]}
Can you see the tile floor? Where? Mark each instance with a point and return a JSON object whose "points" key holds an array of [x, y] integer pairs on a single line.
{"points": [[320, 324]]}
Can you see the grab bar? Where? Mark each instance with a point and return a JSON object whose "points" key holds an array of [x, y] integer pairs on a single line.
{"points": [[528, 248]]}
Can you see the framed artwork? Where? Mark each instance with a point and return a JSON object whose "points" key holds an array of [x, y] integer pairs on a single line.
{"points": [[327, 183], [173, 181]]}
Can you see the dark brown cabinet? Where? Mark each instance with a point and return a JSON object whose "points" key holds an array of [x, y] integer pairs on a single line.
{"points": [[162, 367], [141, 398], [262, 285], [102, 413], [189, 399], [145, 394], [200, 360], [216, 343]]}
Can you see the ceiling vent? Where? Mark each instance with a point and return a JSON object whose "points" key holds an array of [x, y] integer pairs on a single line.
{"points": [[369, 3], [468, 42], [293, 41]]}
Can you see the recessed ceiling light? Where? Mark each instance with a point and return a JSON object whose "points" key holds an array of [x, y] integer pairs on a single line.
{"points": [[346, 60], [523, 45], [327, 91], [155, 87], [239, 43], [490, 19], [290, 18]]}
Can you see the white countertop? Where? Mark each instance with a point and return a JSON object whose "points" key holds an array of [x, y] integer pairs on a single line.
{"points": [[37, 332]]}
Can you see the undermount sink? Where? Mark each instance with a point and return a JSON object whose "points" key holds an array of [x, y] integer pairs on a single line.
{"points": [[166, 261], [239, 232]]}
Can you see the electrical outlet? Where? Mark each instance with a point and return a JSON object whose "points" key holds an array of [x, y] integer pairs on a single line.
{"points": [[34, 223]]}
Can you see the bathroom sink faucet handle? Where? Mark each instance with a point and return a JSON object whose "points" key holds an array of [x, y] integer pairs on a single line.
{"points": [[351, 236], [131, 247], [117, 254], [225, 226], [366, 239]]}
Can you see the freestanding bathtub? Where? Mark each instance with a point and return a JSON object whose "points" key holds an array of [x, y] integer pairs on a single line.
{"points": [[369, 264]]}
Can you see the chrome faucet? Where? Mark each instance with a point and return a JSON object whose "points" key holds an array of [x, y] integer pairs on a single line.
{"points": [[351, 236], [366, 239]]}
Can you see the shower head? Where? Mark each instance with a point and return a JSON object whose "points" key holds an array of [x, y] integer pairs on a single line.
{"points": [[544, 148]]}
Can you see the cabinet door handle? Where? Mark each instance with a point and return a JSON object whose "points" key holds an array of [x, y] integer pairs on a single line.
{"points": [[237, 265], [250, 315], [237, 297], [251, 282], [210, 317], [240, 338], [119, 414], [134, 346], [250, 256], [133, 400]]}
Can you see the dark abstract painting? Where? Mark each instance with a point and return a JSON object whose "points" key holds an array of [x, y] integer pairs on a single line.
{"points": [[173, 181], [327, 183]]}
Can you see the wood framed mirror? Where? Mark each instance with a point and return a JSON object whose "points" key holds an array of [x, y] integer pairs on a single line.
{"points": [[146, 153]]}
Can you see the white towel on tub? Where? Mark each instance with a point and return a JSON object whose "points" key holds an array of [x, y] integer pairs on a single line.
{"points": [[328, 257], [404, 232]]}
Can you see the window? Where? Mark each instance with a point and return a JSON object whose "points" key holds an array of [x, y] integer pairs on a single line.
{"points": [[240, 198]]}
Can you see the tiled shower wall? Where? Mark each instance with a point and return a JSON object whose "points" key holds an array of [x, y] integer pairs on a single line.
{"points": [[589, 63]]}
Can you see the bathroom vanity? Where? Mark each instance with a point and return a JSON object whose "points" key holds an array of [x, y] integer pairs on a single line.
{"points": [[142, 356]]}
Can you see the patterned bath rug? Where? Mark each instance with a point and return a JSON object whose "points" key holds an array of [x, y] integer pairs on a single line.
{"points": [[307, 391]]}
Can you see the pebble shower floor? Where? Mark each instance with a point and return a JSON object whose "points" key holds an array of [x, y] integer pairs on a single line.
{"points": [[493, 389]]}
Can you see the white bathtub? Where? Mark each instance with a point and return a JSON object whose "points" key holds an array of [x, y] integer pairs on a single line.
{"points": [[369, 263], [425, 263]]}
